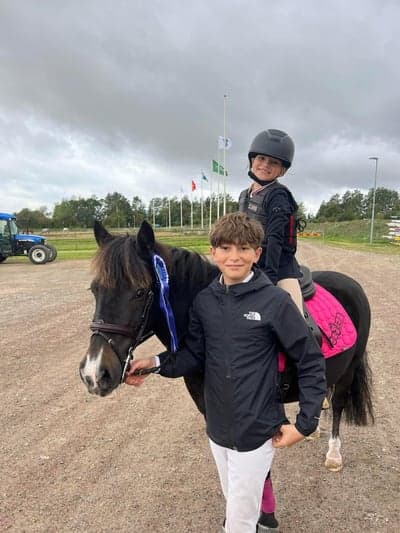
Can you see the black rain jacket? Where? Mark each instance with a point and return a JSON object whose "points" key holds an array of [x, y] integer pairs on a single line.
{"points": [[234, 337]]}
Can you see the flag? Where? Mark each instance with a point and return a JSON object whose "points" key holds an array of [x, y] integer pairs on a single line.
{"points": [[194, 186], [218, 169], [224, 142], [204, 177]]}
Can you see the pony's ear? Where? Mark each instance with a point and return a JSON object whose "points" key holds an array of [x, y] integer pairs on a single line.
{"points": [[100, 233], [145, 238]]}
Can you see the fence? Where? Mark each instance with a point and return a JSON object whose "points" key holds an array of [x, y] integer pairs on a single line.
{"points": [[394, 230]]}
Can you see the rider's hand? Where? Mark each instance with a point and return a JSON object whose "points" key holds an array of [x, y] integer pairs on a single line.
{"points": [[136, 381], [286, 436]]}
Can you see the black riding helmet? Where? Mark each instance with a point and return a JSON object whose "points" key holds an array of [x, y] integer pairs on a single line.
{"points": [[275, 143]]}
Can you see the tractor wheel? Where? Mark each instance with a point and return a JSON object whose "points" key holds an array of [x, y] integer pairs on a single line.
{"points": [[39, 254], [52, 252], [2, 258]]}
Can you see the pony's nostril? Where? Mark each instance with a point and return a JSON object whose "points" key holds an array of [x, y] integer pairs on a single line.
{"points": [[88, 380], [104, 377]]}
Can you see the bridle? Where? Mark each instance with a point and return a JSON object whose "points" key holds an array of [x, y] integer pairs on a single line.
{"points": [[101, 328]]}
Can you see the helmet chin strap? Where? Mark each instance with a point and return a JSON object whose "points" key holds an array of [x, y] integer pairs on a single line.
{"points": [[257, 180]]}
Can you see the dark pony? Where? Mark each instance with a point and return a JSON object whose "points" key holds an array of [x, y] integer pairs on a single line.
{"points": [[127, 312]]}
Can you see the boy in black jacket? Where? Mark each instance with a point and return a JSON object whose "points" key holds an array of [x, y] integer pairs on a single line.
{"points": [[237, 326]]}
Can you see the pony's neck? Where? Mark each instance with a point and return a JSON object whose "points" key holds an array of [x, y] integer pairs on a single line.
{"points": [[189, 274]]}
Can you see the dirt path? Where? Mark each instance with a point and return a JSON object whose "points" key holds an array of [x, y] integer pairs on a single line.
{"points": [[138, 461]]}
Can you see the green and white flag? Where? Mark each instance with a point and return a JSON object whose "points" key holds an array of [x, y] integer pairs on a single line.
{"points": [[218, 169]]}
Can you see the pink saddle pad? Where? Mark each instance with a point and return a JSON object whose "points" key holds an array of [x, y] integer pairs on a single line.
{"points": [[338, 331]]}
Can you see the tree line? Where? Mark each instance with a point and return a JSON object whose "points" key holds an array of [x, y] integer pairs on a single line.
{"points": [[116, 211]]}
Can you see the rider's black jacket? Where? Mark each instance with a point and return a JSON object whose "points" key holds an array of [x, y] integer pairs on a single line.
{"points": [[234, 337], [276, 209]]}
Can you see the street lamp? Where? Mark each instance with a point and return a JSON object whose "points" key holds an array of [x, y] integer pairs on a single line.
{"points": [[373, 200]]}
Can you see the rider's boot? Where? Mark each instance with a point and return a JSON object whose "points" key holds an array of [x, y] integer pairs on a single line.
{"points": [[267, 520]]}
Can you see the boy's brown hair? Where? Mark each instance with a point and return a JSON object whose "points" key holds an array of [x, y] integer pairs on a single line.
{"points": [[236, 228]]}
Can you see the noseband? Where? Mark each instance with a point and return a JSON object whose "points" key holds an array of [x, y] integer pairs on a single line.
{"points": [[101, 328]]}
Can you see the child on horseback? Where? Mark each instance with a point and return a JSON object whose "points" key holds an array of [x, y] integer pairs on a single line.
{"points": [[272, 204], [237, 326]]}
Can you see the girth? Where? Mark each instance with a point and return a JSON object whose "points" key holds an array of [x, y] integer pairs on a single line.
{"points": [[308, 291]]}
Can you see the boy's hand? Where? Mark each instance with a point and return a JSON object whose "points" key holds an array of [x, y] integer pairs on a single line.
{"points": [[136, 381], [286, 436]]}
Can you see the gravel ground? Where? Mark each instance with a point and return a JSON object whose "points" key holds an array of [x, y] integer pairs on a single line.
{"points": [[138, 461]]}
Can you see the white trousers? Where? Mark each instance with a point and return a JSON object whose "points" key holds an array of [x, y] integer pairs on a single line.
{"points": [[242, 476]]}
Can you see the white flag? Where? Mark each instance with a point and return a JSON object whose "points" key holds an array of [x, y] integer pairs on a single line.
{"points": [[224, 142]]}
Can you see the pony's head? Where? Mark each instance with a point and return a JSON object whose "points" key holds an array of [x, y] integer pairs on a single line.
{"points": [[123, 287]]}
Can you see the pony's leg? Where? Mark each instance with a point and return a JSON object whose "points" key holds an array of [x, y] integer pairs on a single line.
{"points": [[334, 460], [324, 421], [315, 435], [322, 426]]}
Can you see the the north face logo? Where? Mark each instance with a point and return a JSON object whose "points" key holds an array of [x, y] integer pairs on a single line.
{"points": [[252, 315]]}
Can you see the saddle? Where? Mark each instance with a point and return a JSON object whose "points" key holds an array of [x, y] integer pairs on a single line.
{"points": [[308, 290]]}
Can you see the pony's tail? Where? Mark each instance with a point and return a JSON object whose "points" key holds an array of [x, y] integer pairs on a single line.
{"points": [[359, 409]]}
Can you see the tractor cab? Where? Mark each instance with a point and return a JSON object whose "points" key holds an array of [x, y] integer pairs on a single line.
{"points": [[7, 228]]}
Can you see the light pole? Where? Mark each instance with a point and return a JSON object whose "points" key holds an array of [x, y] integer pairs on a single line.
{"points": [[373, 200]]}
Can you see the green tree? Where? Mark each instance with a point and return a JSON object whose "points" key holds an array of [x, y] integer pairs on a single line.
{"points": [[352, 206], [117, 211], [29, 220], [138, 211], [330, 210], [77, 212], [387, 203]]}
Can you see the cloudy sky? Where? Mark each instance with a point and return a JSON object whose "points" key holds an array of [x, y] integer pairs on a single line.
{"points": [[98, 96]]}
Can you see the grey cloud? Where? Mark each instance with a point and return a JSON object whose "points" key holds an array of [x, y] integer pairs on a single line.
{"points": [[91, 88]]}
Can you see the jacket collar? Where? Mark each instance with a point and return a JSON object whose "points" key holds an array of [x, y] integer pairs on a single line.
{"points": [[257, 281]]}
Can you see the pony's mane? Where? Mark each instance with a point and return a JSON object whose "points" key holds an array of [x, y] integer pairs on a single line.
{"points": [[191, 269], [117, 263]]}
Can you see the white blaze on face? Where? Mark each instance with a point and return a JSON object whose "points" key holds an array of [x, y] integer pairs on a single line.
{"points": [[92, 366]]}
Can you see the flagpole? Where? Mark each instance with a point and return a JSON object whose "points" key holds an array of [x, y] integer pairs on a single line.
{"points": [[201, 204], [218, 181], [225, 97], [211, 180], [181, 209], [191, 210]]}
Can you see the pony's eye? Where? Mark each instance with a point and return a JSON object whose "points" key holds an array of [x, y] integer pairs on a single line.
{"points": [[93, 287], [139, 293]]}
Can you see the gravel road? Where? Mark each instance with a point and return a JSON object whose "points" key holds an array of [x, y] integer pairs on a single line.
{"points": [[138, 461]]}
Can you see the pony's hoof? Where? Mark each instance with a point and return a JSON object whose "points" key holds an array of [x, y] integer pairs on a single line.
{"points": [[333, 466], [314, 436]]}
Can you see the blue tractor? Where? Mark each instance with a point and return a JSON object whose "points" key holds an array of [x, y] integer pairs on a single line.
{"points": [[14, 243]]}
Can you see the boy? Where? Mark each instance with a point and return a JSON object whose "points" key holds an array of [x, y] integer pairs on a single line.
{"points": [[237, 326]]}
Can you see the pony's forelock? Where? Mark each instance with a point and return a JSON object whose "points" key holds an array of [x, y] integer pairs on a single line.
{"points": [[117, 263]]}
